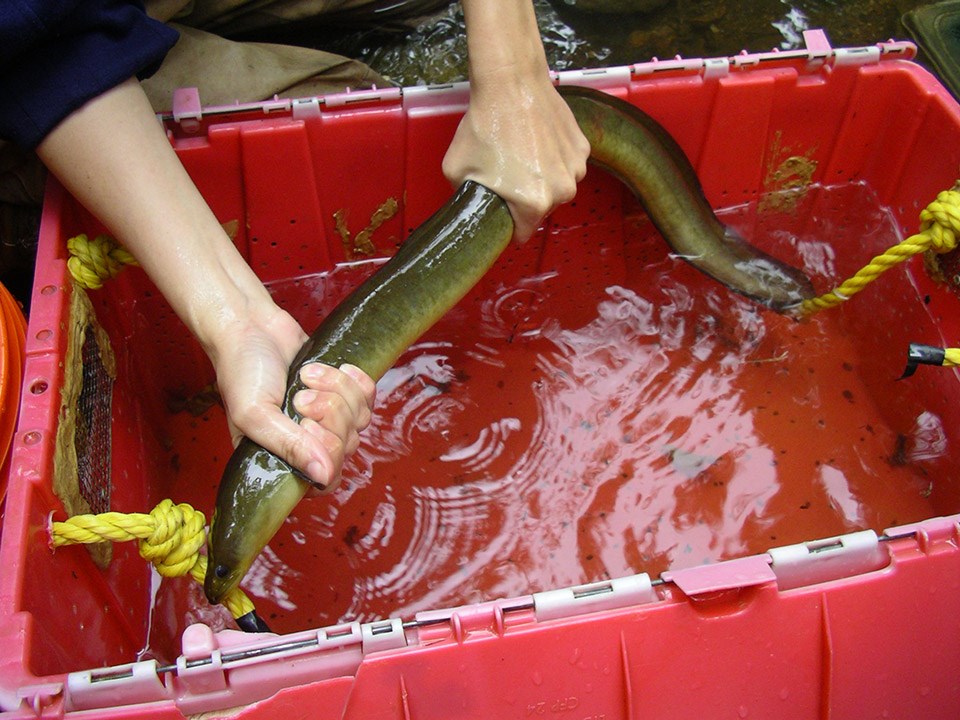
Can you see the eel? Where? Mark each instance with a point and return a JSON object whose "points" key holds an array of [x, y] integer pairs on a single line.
{"points": [[440, 262]]}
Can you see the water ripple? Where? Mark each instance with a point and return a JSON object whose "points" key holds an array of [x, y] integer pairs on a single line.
{"points": [[514, 451]]}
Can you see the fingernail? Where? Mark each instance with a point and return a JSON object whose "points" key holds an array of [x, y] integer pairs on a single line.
{"points": [[305, 398], [317, 474], [352, 370], [313, 371]]}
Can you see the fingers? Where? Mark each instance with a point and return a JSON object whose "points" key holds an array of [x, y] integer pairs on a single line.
{"points": [[331, 391], [534, 162], [336, 405], [531, 207]]}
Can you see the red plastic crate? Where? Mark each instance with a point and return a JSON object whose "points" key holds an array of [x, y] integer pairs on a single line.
{"points": [[865, 624]]}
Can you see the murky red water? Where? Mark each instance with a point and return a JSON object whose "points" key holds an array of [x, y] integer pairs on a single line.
{"points": [[578, 425]]}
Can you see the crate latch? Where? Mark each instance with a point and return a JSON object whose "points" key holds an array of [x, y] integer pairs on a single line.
{"points": [[834, 558], [187, 110], [40, 696], [714, 68], [726, 575]]}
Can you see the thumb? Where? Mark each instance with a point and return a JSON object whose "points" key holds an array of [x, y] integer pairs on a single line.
{"points": [[307, 446]]}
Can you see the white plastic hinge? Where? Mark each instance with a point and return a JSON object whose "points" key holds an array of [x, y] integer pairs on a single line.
{"points": [[596, 77], [382, 635], [856, 56], [121, 685], [594, 597], [303, 108], [716, 68], [820, 561], [436, 99]]}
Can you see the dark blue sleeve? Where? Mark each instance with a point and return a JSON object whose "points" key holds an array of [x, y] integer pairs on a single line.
{"points": [[55, 55]]}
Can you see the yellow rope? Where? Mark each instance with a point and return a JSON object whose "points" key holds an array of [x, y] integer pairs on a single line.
{"points": [[170, 537], [93, 261], [939, 228]]}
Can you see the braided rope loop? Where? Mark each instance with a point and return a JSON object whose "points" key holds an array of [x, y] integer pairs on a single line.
{"points": [[174, 545], [170, 536], [94, 261], [939, 229]]}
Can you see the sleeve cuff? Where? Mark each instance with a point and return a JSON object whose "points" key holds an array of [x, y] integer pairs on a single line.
{"points": [[102, 45]]}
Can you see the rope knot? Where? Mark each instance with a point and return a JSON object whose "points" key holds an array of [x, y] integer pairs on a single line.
{"points": [[178, 534], [940, 221], [171, 537], [939, 230], [93, 261]]}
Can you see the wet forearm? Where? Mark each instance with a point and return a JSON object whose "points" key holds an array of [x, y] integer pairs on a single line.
{"points": [[114, 157], [503, 41]]}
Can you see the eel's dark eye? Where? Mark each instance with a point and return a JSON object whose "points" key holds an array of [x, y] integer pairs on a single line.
{"points": [[221, 571]]}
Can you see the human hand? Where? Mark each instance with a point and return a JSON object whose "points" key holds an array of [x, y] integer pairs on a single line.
{"points": [[252, 359], [524, 145], [518, 137], [114, 156]]}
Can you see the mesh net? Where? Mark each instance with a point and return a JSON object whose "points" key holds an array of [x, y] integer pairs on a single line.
{"points": [[81, 469], [92, 437]]}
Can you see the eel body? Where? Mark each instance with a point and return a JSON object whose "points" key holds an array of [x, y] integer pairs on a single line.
{"points": [[440, 262]]}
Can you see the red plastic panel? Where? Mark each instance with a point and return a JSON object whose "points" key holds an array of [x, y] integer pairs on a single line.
{"points": [[754, 652], [359, 155], [877, 137], [282, 220]]}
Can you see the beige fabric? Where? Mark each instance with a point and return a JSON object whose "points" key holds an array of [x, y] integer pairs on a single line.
{"points": [[226, 71], [164, 10]]}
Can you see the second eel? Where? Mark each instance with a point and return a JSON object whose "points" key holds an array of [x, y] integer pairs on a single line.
{"points": [[440, 262]]}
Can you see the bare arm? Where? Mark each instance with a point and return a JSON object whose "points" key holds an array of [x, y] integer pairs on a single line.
{"points": [[114, 157], [518, 137]]}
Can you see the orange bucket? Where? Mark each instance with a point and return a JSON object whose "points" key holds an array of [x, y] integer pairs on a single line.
{"points": [[13, 335]]}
